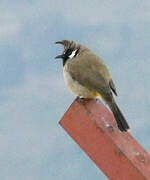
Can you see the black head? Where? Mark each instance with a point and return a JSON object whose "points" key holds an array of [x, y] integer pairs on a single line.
{"points": [[71, 50]]}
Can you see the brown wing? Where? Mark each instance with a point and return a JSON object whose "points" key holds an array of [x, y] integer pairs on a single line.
{"points": [[91, 72]]}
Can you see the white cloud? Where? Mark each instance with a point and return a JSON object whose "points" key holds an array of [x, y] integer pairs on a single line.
{"points": [[8, 30], [77, 13], [29, 132], [103, 12], [9, 25]]}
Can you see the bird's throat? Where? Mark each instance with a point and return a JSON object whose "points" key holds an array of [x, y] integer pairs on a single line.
{"points": [[64, 61]]}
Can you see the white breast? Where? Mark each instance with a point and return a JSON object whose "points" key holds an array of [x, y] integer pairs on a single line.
{"points": [[75, 87]]}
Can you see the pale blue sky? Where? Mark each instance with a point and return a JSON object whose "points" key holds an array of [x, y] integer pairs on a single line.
{"points": [[33, 96]]}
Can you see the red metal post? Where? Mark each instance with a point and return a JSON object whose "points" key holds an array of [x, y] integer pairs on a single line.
{"points": [[117, 154]]}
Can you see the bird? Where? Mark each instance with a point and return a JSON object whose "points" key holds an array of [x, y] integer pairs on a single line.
{"points": [[87, 76]]}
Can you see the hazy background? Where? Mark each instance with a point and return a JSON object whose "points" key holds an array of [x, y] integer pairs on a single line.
{"points": [[33, 96]]}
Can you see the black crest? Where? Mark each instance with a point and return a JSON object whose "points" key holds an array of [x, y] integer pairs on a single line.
{"points": [[70, 48]]}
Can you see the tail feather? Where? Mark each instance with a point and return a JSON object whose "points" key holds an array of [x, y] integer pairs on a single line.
{"points": [[121, 121]]}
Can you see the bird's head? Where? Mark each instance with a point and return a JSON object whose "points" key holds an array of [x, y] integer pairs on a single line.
{"points": [[71, 50]]}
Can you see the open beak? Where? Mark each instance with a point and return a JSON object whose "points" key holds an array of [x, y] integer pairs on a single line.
{"points": [[60, 56], [59, 42]]}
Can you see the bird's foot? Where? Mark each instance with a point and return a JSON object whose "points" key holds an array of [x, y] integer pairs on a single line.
{"points": [[80, 99]]}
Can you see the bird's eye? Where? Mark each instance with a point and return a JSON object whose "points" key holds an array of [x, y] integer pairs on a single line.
{"points": [[69, 52]]}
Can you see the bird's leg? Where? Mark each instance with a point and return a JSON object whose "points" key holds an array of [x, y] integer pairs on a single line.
{"points": [[99, 101], [80, 99]]}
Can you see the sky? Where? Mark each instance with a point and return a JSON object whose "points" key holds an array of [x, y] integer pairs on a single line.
{"points": [[33, 95]]}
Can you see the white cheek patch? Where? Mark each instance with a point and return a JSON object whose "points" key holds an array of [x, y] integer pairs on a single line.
{"points": [[73, 54]]}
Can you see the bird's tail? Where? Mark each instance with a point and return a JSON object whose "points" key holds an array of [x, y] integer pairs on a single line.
{"points": [[121, 121]]}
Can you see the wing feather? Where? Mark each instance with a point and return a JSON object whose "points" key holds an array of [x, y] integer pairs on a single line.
{"points": [[92, 73]]}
